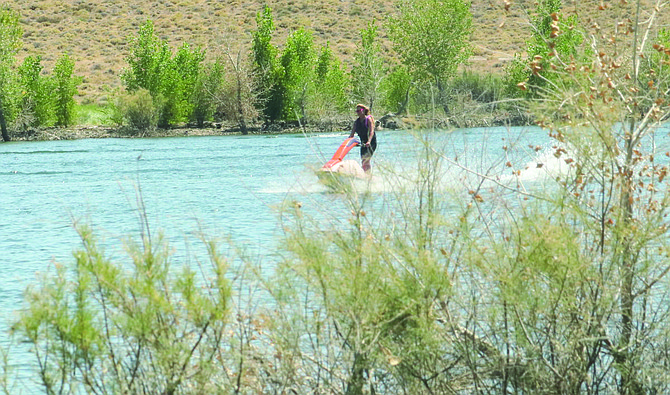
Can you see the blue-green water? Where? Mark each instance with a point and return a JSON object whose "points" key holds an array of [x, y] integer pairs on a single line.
{"points": [[227, 185]]}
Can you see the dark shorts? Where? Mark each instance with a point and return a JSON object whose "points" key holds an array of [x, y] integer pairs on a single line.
{"points": [[366, 152]]}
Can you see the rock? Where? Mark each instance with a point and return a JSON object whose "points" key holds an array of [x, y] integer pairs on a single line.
{"points": [[391, 121]]}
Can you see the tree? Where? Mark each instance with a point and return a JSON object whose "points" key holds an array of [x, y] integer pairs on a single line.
{"points": [[65, 88], [238, 98], [207, 88], [10, 42], [396, 87], [607, 114], [37, 103], [297, 61], [432, 38], [328, 96], [266, 70], [178, 82], [553, 35], [368, 69], [169, 78]]}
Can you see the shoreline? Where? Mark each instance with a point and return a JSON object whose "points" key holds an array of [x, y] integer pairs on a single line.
{"points": [[102, 131]]}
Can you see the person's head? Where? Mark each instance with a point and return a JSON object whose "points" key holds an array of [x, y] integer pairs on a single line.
{"points": [[362, 108]]}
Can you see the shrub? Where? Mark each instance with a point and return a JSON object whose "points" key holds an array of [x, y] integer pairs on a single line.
{"points": [[138, 110], [128, 327]]}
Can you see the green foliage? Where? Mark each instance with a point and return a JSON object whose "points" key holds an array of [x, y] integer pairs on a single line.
{"points": [[37, 93], [432, 37], [137, 110], [298, 61], [92, 114], [555, 40], [65, 85], [396, 87], [131, 327], [207, 88], [328, 98], [487, 88], [10, 42], [170, 79], [266, 68], [367, 71], [179, 79]]}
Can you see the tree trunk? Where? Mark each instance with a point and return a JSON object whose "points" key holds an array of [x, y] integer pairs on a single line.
{"points": [[630, 383], [240, 108], [3, 126], [442, 99], [357, 378]]}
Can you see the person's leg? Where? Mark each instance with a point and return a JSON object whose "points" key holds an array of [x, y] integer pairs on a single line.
{"points": [[366, 155], [365, 164]]}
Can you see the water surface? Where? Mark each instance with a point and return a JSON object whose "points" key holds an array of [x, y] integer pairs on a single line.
{"points": [[227, 185]]}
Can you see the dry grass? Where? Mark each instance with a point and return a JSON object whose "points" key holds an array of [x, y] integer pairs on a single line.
{"points": [[95, 32]]}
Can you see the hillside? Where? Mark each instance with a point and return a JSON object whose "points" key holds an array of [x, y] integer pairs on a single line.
{"points": [[95, 32]]}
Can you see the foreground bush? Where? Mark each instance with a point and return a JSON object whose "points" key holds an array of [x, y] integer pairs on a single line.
{"points": [[128, 328]]}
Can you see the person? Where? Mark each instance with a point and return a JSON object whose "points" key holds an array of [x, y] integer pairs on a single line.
{"points": [[364, 126]]}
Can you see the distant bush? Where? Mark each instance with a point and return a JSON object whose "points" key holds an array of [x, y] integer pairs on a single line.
{"points": [[482, 88], [137, 110]]}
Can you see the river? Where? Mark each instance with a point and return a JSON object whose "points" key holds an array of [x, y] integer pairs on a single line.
{"points": [[223, 185]]}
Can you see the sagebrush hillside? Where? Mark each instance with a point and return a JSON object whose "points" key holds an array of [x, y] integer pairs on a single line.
{"points": [[95, 32]]}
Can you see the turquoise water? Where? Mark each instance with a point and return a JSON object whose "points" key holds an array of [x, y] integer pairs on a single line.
{"points": [[227, 185]]}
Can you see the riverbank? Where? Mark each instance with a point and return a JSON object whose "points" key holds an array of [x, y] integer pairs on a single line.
{"points": [[100, 132], [222, 129]]}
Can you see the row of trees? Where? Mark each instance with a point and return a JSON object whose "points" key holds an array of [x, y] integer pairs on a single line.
{"points": [[299, 82], [28, 98], [294, 81]]}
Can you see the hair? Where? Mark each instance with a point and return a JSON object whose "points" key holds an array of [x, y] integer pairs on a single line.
{"points": [[364, 107]]}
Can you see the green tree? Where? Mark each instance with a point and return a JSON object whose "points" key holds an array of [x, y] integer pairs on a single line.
{"points": [[553, 36], [367, 71], [10, 42], [266, 69], [432, 39], [298, 61], [207, 88], [328, 98], [169, 78], [65, 84], [396, 90], [178, 82], [37, 93]]}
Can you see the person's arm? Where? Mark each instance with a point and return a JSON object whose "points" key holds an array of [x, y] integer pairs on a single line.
{"points": [[353, 130], [371, 129]]}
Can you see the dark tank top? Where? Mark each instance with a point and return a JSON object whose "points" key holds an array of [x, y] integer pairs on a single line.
{"points": [[361, 128]]}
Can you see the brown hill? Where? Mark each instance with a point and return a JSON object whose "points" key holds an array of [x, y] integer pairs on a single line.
{"points": [[95, 32]]}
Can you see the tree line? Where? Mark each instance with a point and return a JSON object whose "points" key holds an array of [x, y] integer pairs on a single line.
{"points": [[295, 81]]}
